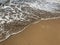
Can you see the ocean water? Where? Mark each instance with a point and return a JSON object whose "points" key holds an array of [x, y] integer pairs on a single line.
{"points": [[16, 15]]}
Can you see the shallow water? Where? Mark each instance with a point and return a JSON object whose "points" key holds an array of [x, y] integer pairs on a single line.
{"points": [[43, 33], [16, 15]]}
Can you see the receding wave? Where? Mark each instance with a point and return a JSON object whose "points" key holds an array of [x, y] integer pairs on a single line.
{"points": [[16, 15]]}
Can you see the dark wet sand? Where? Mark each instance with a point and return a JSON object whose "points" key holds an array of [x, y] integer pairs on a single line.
{"points": [[43, 33]]}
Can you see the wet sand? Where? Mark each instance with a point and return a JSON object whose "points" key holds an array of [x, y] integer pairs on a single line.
{"points": [[42, 33]]}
